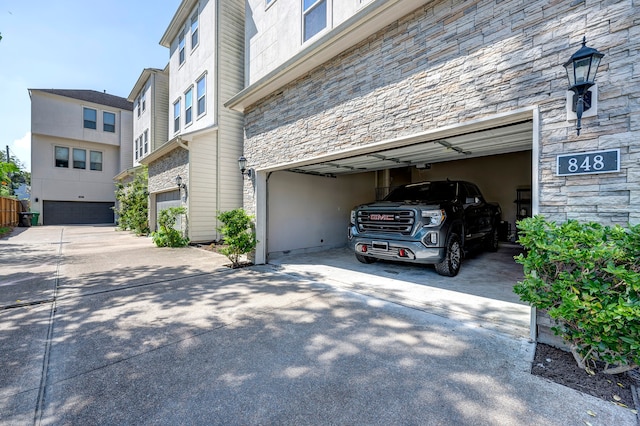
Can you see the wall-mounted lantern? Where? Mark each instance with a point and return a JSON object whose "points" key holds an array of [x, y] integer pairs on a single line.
{"points": [[242, 164], [581, 72], [179, 183]]}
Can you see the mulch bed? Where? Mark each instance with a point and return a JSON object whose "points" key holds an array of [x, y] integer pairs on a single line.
{"points": [[560, 367]]}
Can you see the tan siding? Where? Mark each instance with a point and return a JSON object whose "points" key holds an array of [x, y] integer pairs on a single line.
{"points": [[231, 68], [161, 119], [203, 184]]}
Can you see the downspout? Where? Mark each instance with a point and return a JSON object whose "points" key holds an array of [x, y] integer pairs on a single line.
{"points": [[217, 107]]}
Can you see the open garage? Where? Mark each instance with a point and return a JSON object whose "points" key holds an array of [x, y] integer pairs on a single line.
{"points": [[308, 203]]}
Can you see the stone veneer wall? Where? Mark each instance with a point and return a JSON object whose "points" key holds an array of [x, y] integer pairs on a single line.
{"points": [[163, 172], [450, 62]]}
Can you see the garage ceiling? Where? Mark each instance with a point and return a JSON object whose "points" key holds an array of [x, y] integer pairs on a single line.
{"points": [[499, 140]]}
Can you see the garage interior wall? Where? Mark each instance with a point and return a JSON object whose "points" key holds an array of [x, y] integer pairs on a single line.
{"points": [[310, 213], [497, 176]]}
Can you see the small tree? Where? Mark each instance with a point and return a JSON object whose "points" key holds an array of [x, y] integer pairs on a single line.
{"points": [[167, 235], [133, 205], [238, 233]]}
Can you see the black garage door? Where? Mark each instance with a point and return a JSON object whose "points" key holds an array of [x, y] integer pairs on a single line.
{"points": [[76, 213]]}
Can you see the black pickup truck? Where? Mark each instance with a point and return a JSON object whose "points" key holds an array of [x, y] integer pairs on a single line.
{"points": [[428, 222]]}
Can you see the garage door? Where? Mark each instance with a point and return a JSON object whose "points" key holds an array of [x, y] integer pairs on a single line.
{"points": [[77, 213], [167, 200]]}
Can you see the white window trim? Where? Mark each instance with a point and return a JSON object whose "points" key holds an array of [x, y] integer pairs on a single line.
{"points": [[183, 35], [185, 106], [101, 161], [197, 99], [322, 31], [69, 154], [196, 13], [173, 122]]}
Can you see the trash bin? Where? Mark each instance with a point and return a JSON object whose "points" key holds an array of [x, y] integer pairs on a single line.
{"points": [[34, 219], [25, 218]]}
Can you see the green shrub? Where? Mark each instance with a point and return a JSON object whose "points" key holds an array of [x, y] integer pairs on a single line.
{"points": [[239, 234], [133, 205], [586, 276], [167, 235]]}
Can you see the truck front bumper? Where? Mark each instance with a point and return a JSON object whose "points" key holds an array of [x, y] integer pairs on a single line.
{"points": [[399, 250]]}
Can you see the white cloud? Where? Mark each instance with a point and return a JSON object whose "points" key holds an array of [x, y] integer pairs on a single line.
{"points": [[21, 148]]}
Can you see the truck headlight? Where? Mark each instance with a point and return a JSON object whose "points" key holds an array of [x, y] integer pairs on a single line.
{"points": [[353, 217], [433, 217]]}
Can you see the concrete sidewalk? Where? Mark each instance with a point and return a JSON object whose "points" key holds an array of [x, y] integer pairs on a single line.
{"points": [[141, 335]]}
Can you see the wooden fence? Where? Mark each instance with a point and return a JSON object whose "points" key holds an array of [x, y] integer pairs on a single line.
{"points": [[9, 209]]}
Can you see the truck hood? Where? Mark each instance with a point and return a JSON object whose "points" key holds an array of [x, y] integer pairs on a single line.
{"points": [[408, 203]]}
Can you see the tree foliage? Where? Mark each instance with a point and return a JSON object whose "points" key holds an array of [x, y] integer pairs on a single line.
{"points": [[12, 175], [133, 204], [587, 277], [167, 235], [238, 233]]}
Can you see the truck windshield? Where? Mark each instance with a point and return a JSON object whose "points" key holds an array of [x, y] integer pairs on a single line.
{"points": [[424, 192]]}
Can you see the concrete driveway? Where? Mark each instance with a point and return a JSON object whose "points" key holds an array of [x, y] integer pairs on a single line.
{"points": [[101, 327]]}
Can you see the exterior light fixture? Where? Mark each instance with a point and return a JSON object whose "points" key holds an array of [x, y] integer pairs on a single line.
{"points": [[581, 72], [242, 164], [179, 182]]}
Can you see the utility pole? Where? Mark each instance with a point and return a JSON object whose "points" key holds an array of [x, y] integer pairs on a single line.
{"points": [[8, 160]]}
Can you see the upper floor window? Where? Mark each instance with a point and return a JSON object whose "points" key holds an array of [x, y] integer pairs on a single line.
{"points": [[314, 17], [181, 48], [90, 118], [79, 158], [176, 116], [146, 141], [188, 102], [138, 105], [201, 90], [95, 158], [135, 149], [194, 30], [62, 156], [109, 122], [144, 100]]}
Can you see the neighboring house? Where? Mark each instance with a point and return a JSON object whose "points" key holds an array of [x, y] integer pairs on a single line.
{"points": [[80, 140], [346, 99], [206, 41], [150, 97]]}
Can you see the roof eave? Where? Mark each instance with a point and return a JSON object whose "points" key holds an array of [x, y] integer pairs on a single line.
{"points": [[176, 22]]}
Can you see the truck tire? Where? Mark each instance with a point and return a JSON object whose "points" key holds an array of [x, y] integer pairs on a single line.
{"points": [[491, 241], [365, 259], [450, 265]]}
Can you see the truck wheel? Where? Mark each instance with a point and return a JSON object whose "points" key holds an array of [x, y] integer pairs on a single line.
{"points": [[450, 265], [365, 259], [491, 240]]}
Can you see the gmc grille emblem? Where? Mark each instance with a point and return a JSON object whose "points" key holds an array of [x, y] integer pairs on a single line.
{"points": [[377, 216]]}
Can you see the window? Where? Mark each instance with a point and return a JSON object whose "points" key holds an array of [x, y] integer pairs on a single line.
{"points": [[201, 93], [188, 100], [146, 142], [176, 116], [194, 30], [109, 122], [140, 147], [79, 158], [144, 101], [90, 118], [138, 105], [314, 16], [135, 148], [181, 48], [62, 156], [96, 160]]}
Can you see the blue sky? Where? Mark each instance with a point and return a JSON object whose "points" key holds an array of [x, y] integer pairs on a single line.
{"points": [[73, 44]]}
